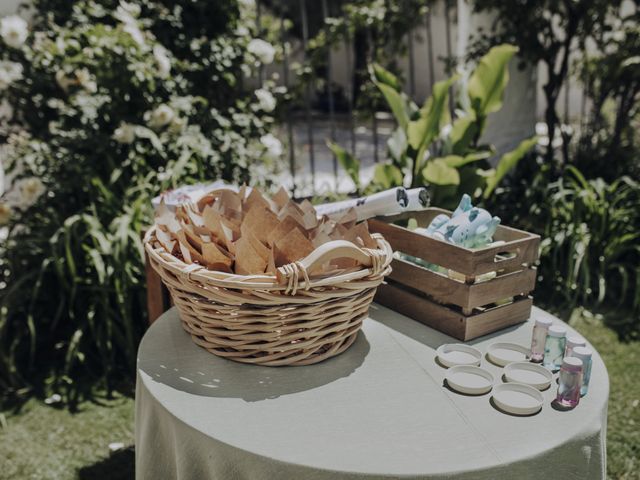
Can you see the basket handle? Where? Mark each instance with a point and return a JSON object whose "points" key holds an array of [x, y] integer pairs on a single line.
{"points": [[324, 253], [332, 250]]}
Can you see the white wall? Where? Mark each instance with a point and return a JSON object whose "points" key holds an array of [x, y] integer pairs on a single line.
{"points": [[9, 6]]}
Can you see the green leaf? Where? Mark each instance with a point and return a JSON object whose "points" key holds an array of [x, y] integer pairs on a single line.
{"points": [[462, 133], [439, 173], [427, 127], [507, 162], [390, 87], [458, 161], [489, 79], [452, 160], [350, 163], [379, 74], [387, 175], [397, 103]]}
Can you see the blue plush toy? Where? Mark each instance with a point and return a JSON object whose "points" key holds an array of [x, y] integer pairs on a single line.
{"points": [[469, 226]]}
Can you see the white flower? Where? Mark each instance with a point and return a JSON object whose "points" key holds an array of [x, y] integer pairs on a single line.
{"points": [[262, 50], [131, 8], [272, 144], [618, 36], [63, 81], [136, 33], [266, 99], [125, 133], [177, 124], [85, 81], [30, 190], [242, 31], [13, 31], [161, 116], [5, 213], [126, 13], [6, 114], [9, 73], [162, 60]]}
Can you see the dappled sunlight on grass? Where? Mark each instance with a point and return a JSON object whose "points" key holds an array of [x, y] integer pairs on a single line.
{"points": [[45, 442]]}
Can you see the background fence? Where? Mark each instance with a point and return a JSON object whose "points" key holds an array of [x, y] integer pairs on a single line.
{"points": [[443, 34]]}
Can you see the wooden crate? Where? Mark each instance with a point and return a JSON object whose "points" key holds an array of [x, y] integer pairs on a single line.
{"points": [[462, 307]]}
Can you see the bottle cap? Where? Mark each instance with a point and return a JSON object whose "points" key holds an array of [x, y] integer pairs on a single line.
{"points": [[571, 363], [575, 341], [544, 322], [583, 353], [557, 331]]}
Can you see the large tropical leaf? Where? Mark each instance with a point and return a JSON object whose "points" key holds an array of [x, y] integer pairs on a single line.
{"points": [[439, 173], [427, 127], [379, 74], [387, 175], [457, 161], [463, 131], [488, 81], [397, 102], [391, 88], [350, 163], [507, 162]]}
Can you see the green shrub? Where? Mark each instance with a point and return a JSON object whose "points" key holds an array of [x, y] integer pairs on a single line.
{"points": [[109, 104], [611, 77], [429, 147], [590, 229]]}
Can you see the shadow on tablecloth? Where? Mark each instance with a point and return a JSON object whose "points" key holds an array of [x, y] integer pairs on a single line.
{"points": [[198, 372]]}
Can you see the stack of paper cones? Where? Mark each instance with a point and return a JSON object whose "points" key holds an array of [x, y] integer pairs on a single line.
{"points": [[247, 233]]}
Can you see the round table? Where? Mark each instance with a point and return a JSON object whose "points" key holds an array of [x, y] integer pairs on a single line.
{"points": [[379, 410]]}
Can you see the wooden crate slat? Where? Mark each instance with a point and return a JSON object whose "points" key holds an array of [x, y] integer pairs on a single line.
{"points": [[431, 283], [469, 262], [448, 320], [420, 309], [450, 291], [526, 253], [429, 249], [424, 217], [501, 287], [499, 317]]}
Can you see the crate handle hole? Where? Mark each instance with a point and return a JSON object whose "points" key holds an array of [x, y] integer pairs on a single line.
{"points": [[504, 256]]}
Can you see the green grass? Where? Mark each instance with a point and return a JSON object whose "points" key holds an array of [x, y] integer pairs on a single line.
{"points": [[623, 363], [42, 442]]}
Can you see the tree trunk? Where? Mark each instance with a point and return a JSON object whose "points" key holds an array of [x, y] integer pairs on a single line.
{"points": [[360, 47], [550, 116]]}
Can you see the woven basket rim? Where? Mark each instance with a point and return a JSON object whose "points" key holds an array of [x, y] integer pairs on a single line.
{"points": [[196, 272]]}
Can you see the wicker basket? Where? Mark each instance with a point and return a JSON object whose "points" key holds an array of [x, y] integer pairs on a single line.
{"points": [[293, 318]]}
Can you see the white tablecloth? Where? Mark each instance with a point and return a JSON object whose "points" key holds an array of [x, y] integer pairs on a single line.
{"points": [[379, 410]]}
